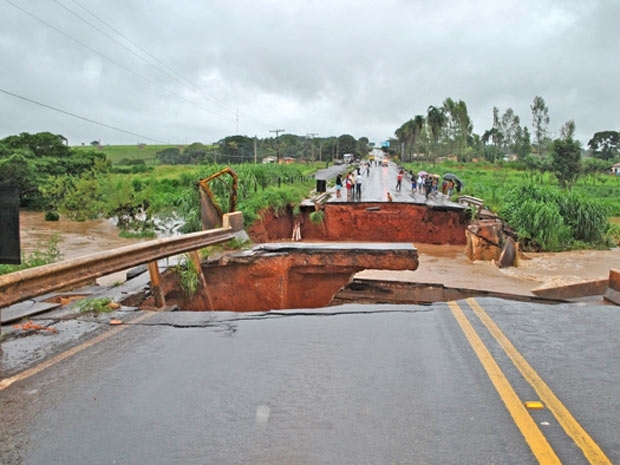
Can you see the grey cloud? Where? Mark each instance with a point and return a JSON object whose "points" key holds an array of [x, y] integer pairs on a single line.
{"points": [[360, 67]]}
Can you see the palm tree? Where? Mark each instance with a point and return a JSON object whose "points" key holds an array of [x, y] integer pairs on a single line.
{"points": [[436, 120]]}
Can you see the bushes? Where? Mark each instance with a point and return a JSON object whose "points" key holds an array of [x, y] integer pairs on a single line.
{"points": [[549, 219]]}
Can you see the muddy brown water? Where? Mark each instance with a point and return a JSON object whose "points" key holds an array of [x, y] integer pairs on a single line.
{"points": [[75, 238], [446, 264]]}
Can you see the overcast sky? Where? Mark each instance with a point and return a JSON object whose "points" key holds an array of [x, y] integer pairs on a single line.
{"points": [[205, 69]]}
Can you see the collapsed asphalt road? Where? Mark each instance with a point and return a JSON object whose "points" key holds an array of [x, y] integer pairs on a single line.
{"points": [[350, 384]]}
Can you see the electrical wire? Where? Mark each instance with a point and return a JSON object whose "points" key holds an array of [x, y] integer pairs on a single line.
{"points": [[84, 118], [108, 58], [186, 81]]}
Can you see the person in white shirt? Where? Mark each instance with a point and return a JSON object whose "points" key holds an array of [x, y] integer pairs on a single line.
{"points": [[358, 186]]}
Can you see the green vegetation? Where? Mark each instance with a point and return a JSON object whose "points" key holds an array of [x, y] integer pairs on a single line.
{"points": [[317, 217], [547, 219], [545, 216], [43, 255], [148, 188], [99, 305], [188, 276], [128, 154]]}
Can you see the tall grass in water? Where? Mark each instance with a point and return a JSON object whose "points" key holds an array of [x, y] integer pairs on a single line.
{"points": [[43, 255], [550, 219]]}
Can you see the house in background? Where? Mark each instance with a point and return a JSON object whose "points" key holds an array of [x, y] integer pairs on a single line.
{"points": [[615, 169]]}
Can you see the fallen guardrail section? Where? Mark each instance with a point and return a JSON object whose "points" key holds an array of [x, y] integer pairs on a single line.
{"points": [[25, 284]]}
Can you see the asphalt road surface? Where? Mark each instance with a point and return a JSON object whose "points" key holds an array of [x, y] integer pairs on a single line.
{"points": [[359, 384], [377, 182]]}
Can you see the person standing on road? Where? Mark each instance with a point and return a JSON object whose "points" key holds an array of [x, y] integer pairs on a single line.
{"points": [[349, 184], [358, 186], [338, 184], [399, 180], [450, 188], [428, 185]]}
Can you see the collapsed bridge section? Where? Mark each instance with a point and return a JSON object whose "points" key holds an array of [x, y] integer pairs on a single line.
{"points": [[284, 275]]}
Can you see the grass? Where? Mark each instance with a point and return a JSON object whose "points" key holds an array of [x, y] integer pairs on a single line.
{"points": [[43, 255], [118, 153], [489, 181], [99, 305]]}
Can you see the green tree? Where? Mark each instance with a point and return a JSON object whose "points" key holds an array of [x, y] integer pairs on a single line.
{"points": [[522, 145], [436, 120], [346, 144], [568, 130], [240, 149], [566, 161], [42, 144], [31, 160], [169, 156], [458, 125], [194, 153], [540, 123], [363, 146], [604, 144], [408, 133], [20, 171]]}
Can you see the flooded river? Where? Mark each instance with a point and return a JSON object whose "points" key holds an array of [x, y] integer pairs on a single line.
{"points": [[438, 263], [75, 238]]}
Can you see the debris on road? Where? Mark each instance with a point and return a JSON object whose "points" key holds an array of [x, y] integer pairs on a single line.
{"points": [[30, 326]]}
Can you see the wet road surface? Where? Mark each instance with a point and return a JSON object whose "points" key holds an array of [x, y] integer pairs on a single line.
{"points": [[377, 182], [352, 384]]}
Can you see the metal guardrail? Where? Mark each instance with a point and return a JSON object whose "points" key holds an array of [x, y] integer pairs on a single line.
{"points": [[470, 201], [22, 285]]}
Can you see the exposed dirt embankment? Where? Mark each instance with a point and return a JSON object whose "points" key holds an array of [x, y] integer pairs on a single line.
{"points": [[371, 222], [283, 276]]}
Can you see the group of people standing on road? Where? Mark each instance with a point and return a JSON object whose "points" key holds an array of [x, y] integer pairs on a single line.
{"points": [[429, 185], [352, 182], [423, 183]]}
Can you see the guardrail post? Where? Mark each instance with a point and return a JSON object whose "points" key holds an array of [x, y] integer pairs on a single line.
{"points": [[195, 258], [233, 220], [158, 295]]}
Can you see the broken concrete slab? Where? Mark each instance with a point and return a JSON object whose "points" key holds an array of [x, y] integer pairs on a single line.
{"points": [[285, 275]]}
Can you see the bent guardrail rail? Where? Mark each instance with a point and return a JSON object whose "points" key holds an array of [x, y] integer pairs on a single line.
{"points": [[22, 285]]}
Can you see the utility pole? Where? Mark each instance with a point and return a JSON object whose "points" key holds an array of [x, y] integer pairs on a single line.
{"points": [[311, 135], [277, 131], [255, 148]]}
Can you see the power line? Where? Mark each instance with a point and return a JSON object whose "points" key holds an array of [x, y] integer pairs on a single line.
{"points": [[158, 68], [108, 58], [186, 81], [80, 117], [277, 131]]}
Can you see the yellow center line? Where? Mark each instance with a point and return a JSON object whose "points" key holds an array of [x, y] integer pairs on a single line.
{"points": [[6, 382], [537, 442], [582, 439]]}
